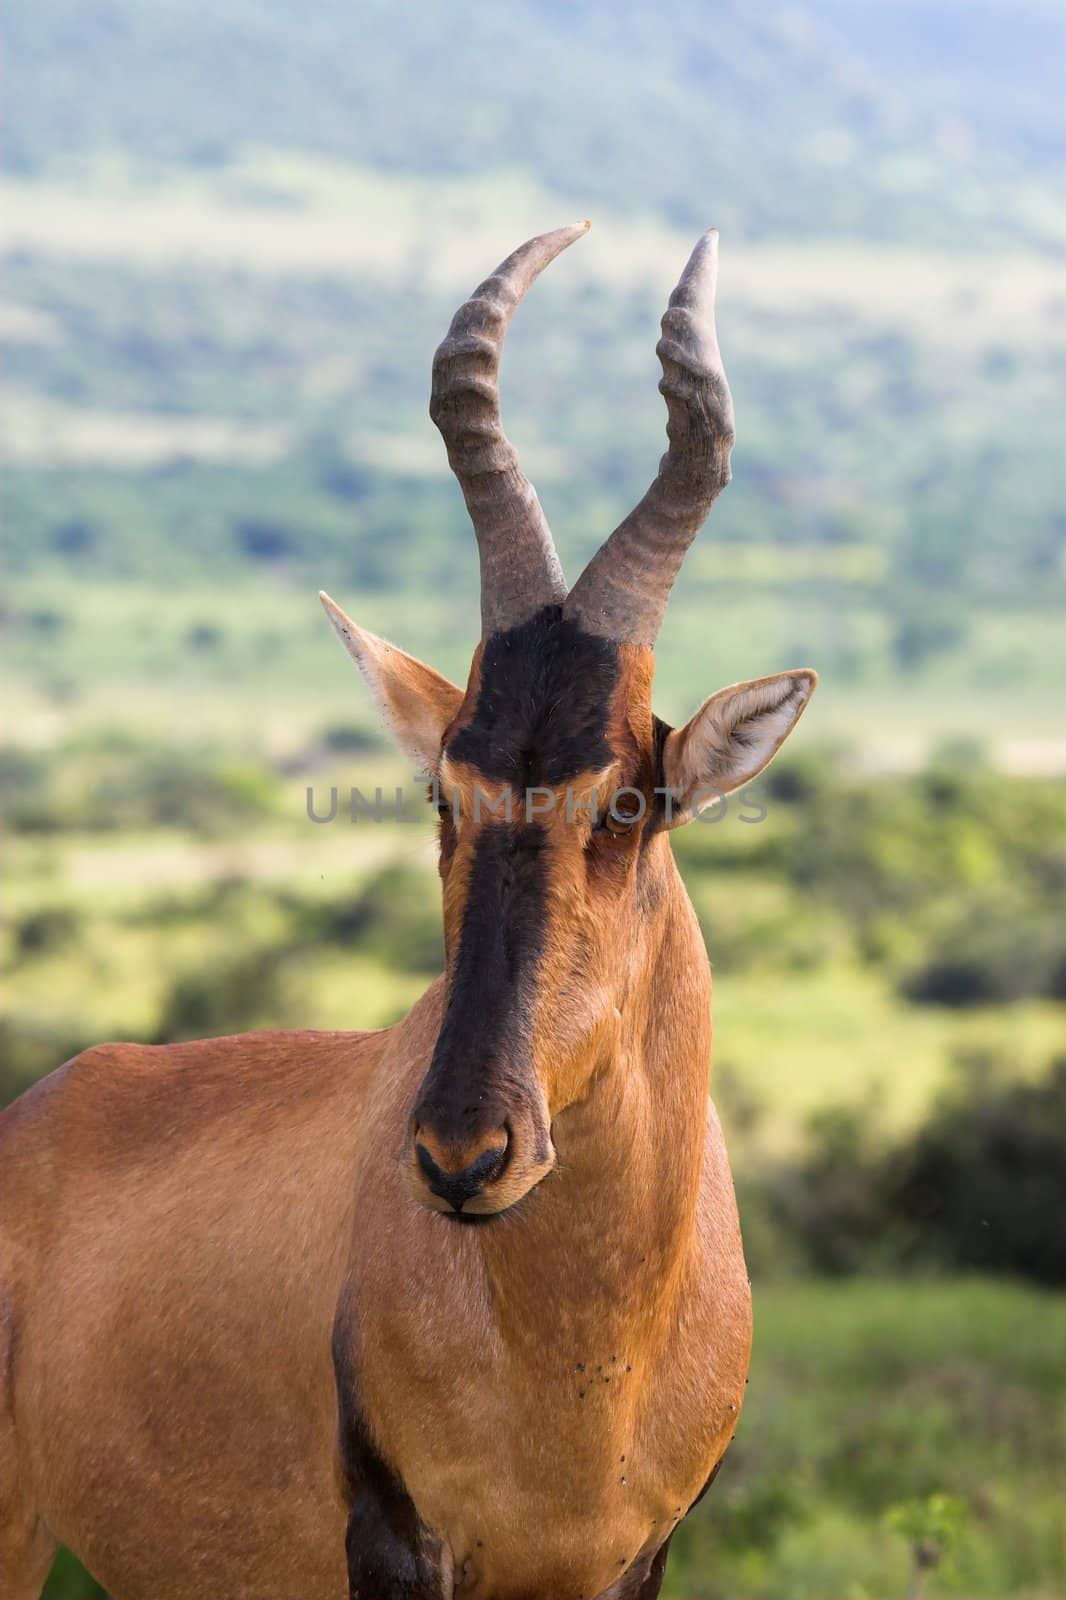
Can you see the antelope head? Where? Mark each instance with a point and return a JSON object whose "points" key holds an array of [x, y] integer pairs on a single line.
{"points": [[557, 784]]}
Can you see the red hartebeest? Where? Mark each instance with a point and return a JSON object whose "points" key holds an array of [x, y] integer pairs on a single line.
{"points": [[247, 1348]]}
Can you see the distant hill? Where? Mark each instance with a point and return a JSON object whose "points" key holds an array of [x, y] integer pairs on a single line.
{"points": [[233, 233], [922, 120]]}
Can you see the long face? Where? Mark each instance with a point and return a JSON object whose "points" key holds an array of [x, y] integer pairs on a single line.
{"points": [[546, 784], [557, 783]]}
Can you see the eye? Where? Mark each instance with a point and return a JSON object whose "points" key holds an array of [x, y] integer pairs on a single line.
{"points": [[445, 804], [621, 817]]}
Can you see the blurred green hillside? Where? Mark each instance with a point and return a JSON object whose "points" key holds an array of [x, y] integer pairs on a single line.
{"points": [[231, 238], [917, 119]]}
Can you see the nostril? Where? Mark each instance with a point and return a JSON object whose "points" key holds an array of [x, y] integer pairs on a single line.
{"points": [[459, 1187]]}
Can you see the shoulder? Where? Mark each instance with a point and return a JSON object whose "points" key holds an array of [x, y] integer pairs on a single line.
{"points": [[123, 1097]]}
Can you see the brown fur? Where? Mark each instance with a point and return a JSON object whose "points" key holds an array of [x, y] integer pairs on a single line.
{"points": [[243, 1355], [180, 1225]]}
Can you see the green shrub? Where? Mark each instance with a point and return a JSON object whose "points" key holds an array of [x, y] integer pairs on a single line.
{"points": [[45, 930], [830, 1207], [252, 989], [168, 789], [983, 1184], [980, 1187], [111, 783], [994, 950], [344, 738], [32, 1045], [396, 915], [28, 790]]}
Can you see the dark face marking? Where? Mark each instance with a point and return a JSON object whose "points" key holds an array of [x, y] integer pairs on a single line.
{"points": [[544, 708], [543, 704], [480, 1071]]}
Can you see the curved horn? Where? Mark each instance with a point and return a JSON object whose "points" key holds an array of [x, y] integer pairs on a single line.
{"points": [[623, 591], [520, 571]]}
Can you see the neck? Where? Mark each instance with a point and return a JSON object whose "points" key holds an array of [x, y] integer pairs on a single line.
{"points": [[623, 1195]]}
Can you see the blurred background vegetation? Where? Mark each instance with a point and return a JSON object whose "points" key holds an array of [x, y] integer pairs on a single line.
{"points": [[231, 238]]}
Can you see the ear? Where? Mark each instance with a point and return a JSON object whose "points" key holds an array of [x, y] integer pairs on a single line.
{"points": [[416, 703], [731, 738]]}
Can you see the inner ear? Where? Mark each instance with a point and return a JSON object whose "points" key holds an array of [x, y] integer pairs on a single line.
{"points": [[416, 703], [731, 739]]}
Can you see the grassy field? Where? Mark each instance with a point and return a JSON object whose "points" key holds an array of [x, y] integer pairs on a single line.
{"points": [[867, 1403]]}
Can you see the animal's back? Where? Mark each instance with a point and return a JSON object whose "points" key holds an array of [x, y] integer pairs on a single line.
{"points": [[174, 1224]]}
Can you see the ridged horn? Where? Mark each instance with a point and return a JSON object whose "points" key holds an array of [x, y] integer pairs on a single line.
{"points": [[623, 591], [520, 570]]}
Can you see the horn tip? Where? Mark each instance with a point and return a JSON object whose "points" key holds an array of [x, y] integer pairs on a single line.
{"points": [[700, 276], [546, 246]]}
